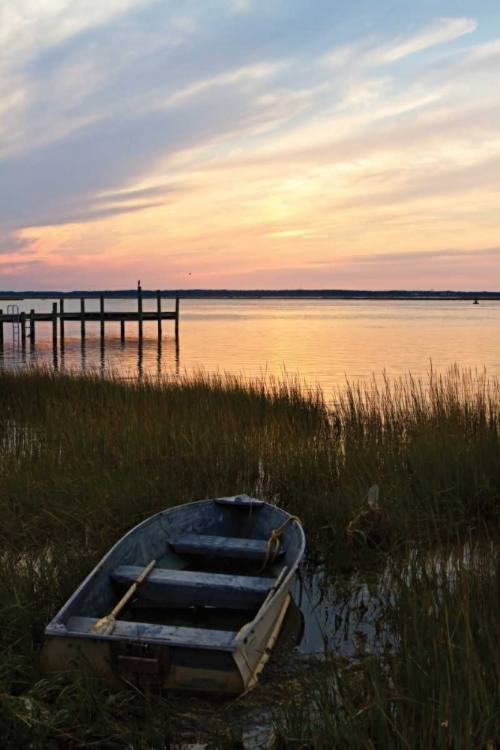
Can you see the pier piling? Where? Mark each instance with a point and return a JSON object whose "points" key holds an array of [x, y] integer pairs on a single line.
{"points": [[139, 308], [177, 315], [22, 319], [101, 306], [82, 317], [158, 303], [61, 317], [32, 328], [1, 329], [122, 331], [54, 323]]}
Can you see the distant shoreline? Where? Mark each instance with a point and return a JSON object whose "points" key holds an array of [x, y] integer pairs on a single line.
{"points": [[285, 294]]}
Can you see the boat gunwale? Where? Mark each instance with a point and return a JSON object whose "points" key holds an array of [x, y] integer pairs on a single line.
{"points": [[58, 628]]}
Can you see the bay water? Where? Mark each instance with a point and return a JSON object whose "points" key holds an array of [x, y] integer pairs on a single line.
{"points": [[324, 342]]}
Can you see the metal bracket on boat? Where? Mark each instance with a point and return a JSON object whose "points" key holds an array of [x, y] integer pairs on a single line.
{"points": [[236, 501], [138, 665], [140, 660]]}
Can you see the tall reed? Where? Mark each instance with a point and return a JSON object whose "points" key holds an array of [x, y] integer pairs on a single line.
{"points": [[434, 685]]}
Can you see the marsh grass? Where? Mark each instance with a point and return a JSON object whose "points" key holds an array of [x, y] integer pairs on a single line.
{"points": [[83, 459], [436, 686]]}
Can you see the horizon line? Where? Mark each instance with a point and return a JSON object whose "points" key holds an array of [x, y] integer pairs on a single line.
{"points": [[245, 292]]}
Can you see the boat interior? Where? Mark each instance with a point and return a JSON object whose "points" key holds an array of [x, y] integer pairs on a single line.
{"points": [[201, 581], [213, 571]]}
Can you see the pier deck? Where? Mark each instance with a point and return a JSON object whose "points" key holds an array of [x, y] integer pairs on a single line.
{"points": [[20, 322], [90, 317]]}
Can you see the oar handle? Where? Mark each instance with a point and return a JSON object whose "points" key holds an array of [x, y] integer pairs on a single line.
{"points": [[125, 598]]}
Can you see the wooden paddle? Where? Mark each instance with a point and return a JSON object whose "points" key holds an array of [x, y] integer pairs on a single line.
{"points": [[106, 625], [269, 596]]}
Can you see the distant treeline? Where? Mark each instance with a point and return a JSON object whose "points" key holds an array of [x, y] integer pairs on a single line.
{"points": [[261, 294]]}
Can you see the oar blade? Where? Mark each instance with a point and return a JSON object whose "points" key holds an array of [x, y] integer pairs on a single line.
{"points": [[104, 626]]}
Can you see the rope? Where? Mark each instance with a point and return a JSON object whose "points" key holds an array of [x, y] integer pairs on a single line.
{"points": [[275, 539]]}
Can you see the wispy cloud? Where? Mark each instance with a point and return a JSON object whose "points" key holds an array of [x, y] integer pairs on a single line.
{"points": [[28, 27], [238, 76], [342, 56], [239, 6], [428, 256], [480, 54], [439, 32]]}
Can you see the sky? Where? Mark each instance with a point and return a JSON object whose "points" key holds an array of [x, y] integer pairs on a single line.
{"points": [[249, 144]]}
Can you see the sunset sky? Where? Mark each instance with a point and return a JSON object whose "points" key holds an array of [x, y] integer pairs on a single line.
{"points": [[249, 143]]}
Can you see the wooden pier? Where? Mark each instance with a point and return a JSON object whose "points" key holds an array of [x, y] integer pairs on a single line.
{"points": [[24, 324]]}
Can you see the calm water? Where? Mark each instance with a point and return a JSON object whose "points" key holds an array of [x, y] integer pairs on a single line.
{"points": [[323, 341]]}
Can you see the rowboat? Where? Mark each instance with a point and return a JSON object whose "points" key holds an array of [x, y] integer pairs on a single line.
{"points": [[192, 598]]}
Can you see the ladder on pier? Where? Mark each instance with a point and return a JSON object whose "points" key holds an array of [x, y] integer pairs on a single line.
{"points": [[16, 322]]}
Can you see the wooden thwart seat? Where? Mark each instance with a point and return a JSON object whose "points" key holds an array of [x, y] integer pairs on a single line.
{"points": [[189, 588], [144, 632], [221, 546]]}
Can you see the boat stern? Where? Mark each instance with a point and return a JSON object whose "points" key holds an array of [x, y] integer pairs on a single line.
{"points": [[121, 661]]}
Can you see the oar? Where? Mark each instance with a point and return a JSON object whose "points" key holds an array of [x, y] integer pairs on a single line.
{"points": [[269, 596], [272, 590], [105, 625]]}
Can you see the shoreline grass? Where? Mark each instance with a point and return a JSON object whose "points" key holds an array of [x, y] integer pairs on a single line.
{"points": [[435, 681], [83, 459]]}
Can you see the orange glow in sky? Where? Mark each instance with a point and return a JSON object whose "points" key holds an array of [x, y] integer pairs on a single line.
{"points": [[239, 145]]}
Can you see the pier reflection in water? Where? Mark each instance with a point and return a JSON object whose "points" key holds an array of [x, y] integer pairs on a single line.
{"points": [[129, 358]]}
